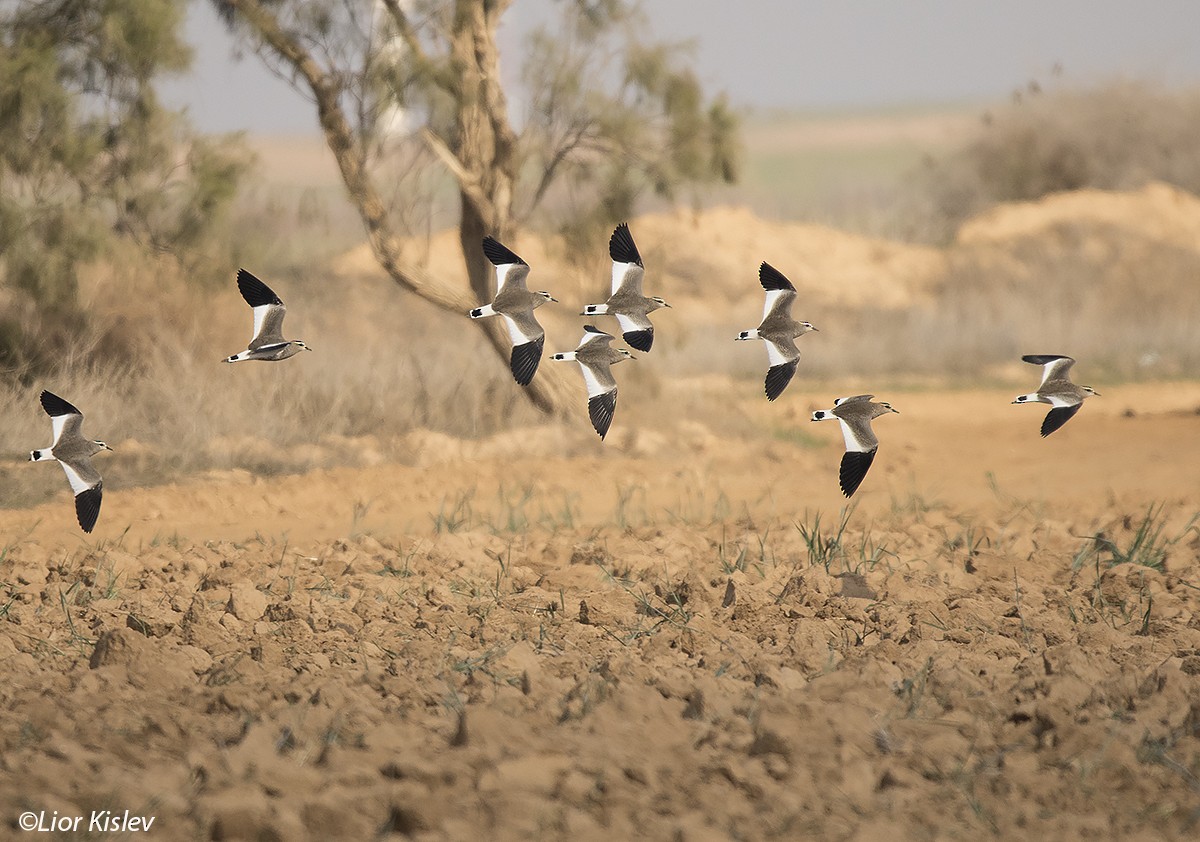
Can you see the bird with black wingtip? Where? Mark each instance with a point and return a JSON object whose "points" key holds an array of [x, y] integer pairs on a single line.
{"points": [[74, 453], [855, 415], [1056, 389], [515, 303], [627, 304], [778, 329], [596, 356]]}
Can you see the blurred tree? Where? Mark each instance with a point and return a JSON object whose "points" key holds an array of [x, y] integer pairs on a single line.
{"points": [[89, 156], [1114, 136], [610, 115]]}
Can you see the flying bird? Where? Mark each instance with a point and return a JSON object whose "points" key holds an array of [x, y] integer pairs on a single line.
{"points": [[74, 453], [778, 329], [595, 356], [855, 414], [1056, 389], [516, 304], [268, 343], [631, 308]]}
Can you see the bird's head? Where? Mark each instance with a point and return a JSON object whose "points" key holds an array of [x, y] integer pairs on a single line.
{"points": [[1090, 391], [658, 302], [805, 327], [299, 344], [544, 296], [99, 445]]}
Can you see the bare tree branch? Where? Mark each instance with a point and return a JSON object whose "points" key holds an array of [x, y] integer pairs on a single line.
{"points": [[341, 141], [549, 392], [468, 182], [574, 140], [433, 67], [652, 129]]}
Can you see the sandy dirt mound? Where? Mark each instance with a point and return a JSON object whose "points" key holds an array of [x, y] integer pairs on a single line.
{"points": [[1158, 211], [700, 258], [1107, 276], [682, 644]]}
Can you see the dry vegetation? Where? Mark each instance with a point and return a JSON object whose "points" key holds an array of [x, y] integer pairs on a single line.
{"points": [[1097, 275], [370, 592], [648, 643]]}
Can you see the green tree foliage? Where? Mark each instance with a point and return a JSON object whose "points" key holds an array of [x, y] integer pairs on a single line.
{"points": [[611, 116], [89, 157], [1116, 136]]}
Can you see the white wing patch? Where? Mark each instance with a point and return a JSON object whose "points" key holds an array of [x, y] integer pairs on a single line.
{"points": [[594, 386], [57, 423], [775, 297], [628, 275], [510, 273], [260, 316], [778, 356], [852, 442], [1056, 369], [629, 324], [590, 338], [77, 483], [515, 334]]}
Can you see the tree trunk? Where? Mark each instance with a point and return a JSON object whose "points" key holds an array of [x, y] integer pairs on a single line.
{"points": [[486, 190], [550, 390]]}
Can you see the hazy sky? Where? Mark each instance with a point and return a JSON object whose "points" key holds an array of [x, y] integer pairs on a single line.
{"points": [[799, 55]]}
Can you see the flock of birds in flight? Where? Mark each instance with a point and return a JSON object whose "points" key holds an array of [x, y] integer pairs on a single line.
{"points": [[514, 302]]}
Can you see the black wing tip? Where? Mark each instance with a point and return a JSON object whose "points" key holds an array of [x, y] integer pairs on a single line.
{"points": [[778, 378], [255, 291], [1058, 416], [1043, 359], [854, 467], [498, 253], [640, 340], [56, 406], [621, 247], [87, 506], [525, 359], [772, 279], [600, 410]]}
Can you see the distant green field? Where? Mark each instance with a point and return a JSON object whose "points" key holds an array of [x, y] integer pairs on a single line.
{"points": [[821, 165], [841, 168]]}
